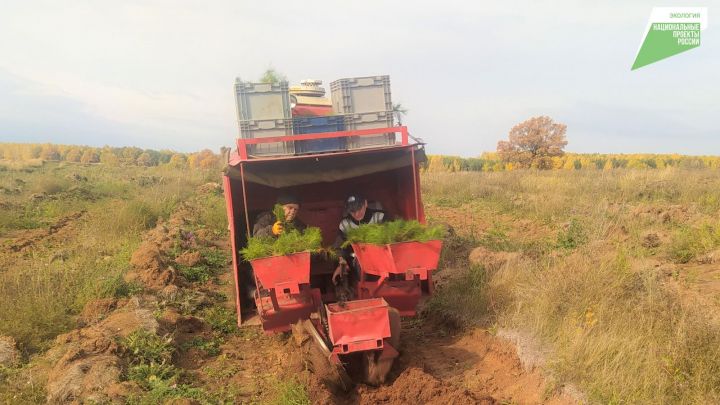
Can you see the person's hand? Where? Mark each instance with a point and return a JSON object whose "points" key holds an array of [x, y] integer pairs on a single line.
{"points": [[340, 270], [277, 228], [337, 274]]}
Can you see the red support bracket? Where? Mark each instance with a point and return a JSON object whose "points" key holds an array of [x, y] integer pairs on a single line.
{"points": [[243, 143]]}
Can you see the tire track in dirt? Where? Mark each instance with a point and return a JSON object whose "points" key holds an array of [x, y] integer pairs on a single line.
{"points": [[29, 238]]}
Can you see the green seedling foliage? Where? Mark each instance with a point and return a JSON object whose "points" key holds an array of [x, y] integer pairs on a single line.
{"points": [[163, 391], [394, 231], [147, 374], [200, 273], [279, 213], [211, 346], [145, 347], [221, 319], [215, 258], [289, 242], [690, 242], [573, 236], [290, 392]]}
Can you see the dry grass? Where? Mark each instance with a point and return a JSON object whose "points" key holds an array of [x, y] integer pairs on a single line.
{"points": [[620, 326], [44, 286]]}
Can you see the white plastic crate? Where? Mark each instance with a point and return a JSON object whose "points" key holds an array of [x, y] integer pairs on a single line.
{"points": [[251, 129], [361, 94], [262, 101], [369, 120]]}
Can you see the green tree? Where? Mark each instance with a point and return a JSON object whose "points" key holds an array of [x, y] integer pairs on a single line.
{"points": [[399, 112], [272, 76]]}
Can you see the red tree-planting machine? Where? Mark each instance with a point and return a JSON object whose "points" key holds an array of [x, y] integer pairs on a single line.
{"points": [[357, 339]]}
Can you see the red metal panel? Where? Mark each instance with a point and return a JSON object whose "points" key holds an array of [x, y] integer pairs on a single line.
{"points": [[416, 258], [403, 295], [403, 135], [413, 261], [302, 110], [418, 197], [374, 259], [322, 135], [398, 258], [242, 142], [227, 190], [288, 309], [285, 274], [358, 325]]}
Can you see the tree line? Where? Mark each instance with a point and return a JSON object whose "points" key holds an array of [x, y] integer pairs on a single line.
{"points": [[493, 162], [115, 156]]}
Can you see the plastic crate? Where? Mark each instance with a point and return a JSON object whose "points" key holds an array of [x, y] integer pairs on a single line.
{"points": [[361, 94], [379, 119], [251, 129], [315, 125], [262, 101]]}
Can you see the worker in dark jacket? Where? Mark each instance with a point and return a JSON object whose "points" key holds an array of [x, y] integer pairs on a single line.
{"points": [[357, 213], [266, 225]]}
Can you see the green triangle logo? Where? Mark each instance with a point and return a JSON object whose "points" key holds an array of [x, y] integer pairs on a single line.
{"points": [[667, 39]]}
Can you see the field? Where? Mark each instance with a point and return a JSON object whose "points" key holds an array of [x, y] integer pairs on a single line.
{"points": [[556, 287]]}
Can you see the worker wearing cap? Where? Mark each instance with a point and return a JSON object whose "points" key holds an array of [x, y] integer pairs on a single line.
{"points": [[357, 213], [266, 225]]}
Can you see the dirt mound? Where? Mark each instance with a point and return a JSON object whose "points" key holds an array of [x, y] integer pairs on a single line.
{"points": [[709, 258], [491, 260], [188, 258], [210, 188], [149, 267], [651, 240], [485, 365], [9, 355], [88, 363], [416, 386], [96, 310], [673, 213]]}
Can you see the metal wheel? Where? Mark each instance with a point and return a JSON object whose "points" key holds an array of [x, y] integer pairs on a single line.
{"points": [[375, 367]]}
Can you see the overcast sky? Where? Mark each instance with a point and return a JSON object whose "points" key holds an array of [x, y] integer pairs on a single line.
{"points": [[158, 74]]}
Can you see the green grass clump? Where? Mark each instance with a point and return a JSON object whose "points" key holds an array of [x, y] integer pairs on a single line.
{"points": [[146, 375], [149, 356], [573, 236], [690, 242], [200, 273], [289, 242], [145, 347], [209, 346], [162, 391], [215, 258], [221, 319], [394, 231], [463, 302], [290, 392]]}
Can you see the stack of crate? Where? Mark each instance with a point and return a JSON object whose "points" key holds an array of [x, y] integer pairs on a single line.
{"points": [[366, 103], [263, 111]]}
